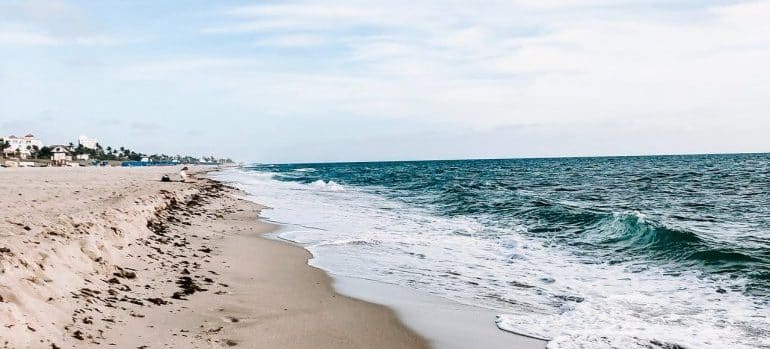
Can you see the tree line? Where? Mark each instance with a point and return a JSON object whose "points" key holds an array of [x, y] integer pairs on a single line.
{"points": [[112, 154]]}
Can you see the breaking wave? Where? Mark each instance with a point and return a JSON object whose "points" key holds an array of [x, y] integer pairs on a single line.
{"points": [[657, 252]]}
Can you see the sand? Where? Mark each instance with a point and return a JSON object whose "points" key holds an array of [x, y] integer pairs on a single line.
{"points": [[112, 257]]}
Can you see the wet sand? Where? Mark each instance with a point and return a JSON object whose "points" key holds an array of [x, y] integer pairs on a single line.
{"points": [[445, 323]]}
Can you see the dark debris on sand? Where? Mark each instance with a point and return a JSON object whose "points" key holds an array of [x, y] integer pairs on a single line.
{"points": [[168, 249]]}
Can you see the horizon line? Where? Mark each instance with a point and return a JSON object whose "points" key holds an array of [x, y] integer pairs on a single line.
{"points": [[510, 158]]}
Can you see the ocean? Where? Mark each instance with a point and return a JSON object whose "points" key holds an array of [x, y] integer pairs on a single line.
{"points": [[606, 252]]}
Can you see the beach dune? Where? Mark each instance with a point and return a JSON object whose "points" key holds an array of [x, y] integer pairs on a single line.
{"points": [[112, 257]]}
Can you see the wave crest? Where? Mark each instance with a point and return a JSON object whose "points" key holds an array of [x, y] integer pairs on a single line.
{"points": [[326, 185]]}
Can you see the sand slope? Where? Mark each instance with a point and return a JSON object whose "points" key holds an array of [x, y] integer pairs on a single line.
{"points": [[112, 257], [61, 231]]}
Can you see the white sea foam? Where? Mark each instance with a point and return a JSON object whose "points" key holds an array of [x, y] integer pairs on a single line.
{"points": [[326, 185], [540, 290]]}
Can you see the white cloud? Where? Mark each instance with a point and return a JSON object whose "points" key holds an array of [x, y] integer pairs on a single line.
{"points": [[648, 66], [25, 38], [174, 70], [292, 40], [510, 62], [16, 37], [49, 23]]}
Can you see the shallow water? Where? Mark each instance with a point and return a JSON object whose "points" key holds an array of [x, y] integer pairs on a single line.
{"points": [[631, 252]]}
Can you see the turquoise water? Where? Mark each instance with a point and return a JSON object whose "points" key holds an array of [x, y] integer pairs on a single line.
{"points": [[642, 251]]}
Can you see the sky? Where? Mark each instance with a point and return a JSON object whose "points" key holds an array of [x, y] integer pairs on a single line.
{"points": [[317, 81]]}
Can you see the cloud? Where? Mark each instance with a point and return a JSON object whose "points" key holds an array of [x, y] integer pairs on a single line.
{"points": [[292, 41], [15, 37], [24, 37], [49, 23], [522, 61], [640, 65], [175, 67]]}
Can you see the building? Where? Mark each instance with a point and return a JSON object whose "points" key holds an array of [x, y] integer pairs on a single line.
{"points": [[21, 145], [84, 157], [89, 143], [8, 152], [61, 155]]}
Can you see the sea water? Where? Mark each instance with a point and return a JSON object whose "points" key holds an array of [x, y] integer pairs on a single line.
{"points": [[614, 252]]}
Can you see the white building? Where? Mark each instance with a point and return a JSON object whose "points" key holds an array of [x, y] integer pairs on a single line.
{"points": [[61, 155], [22, 145], [22, 142], [86, 142]]}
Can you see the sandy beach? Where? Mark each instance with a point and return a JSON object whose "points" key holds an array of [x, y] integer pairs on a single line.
{"points": [[112, 257]]}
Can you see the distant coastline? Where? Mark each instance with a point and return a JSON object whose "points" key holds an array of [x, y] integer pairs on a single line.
{"points": [[29, 151]]}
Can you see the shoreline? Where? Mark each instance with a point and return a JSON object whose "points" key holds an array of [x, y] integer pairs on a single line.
{"points": [[191, 270], [470, 326], [277, 305], [445, 323]]}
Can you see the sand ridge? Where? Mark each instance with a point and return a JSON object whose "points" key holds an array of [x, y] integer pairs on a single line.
{"points": [[61, 231]]}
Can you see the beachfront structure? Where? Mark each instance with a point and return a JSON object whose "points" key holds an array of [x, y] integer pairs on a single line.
{"points": [[21, 146], [8, 152], [60, 155], [89, 143], [85, 157]]}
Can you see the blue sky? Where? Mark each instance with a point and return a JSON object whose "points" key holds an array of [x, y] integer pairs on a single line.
{"points": [[355, 80]]}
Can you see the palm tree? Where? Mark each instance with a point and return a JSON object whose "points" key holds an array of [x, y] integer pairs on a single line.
{"points": [[45, 152]]}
